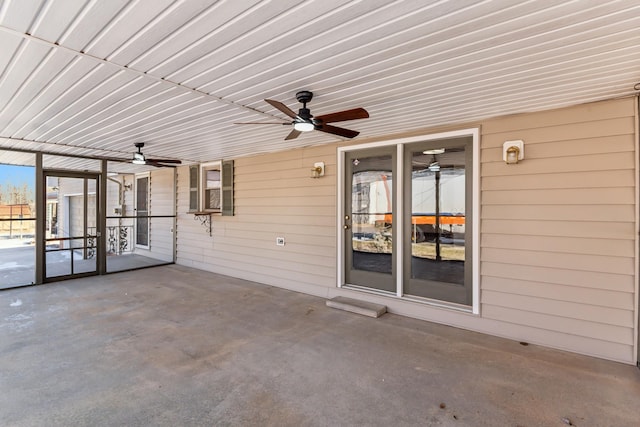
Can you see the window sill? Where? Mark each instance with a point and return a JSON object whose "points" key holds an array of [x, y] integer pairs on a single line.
{"points": [[204, 212]]}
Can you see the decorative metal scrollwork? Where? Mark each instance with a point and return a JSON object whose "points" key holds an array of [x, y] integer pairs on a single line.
{"points": [[91, 248], [118, 238], [205, 220], [112, 239], [123, 243]]}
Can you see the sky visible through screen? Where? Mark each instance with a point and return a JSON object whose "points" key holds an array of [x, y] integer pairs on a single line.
{"points": [[18, 176]]}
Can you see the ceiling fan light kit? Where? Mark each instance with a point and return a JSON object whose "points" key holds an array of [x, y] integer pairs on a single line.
{"points": [[138, 157], [138, 160], [304, 121], [304, 126]]}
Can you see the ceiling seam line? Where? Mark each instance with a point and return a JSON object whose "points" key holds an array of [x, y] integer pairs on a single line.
{"points": [[53, 45], [114, 159]]}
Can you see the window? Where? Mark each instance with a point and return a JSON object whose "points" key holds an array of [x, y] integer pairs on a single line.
{"points": [[216, 187], [211, 187]]}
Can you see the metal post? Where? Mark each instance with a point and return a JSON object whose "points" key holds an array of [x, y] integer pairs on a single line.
{"points": [[437, 225], [85, 228], [101, 226], [41, 198]]}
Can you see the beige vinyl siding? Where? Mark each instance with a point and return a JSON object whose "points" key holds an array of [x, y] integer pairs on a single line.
{"points": [[274, 196], [557, 230]]}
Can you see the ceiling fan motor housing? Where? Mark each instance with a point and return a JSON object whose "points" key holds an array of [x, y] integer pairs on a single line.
{"points": [[305, 114], [304, 96]]}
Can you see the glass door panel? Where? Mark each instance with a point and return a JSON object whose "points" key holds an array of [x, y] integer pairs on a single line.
{"points": [[70, 246], [369, 229], [437, 201]]}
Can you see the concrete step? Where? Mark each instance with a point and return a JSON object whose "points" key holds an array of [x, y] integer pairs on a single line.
{"points": [[360, 307]]}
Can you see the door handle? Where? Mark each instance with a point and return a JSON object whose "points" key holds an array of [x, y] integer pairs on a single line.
{"points": [[346, 226]]}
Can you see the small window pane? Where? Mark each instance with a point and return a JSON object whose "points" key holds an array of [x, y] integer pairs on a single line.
{"points": [[212, 198], [211, 191], [193, 177], [213, 178], [193, 201]]}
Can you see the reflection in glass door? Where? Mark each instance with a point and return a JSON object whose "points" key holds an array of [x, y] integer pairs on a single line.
{"points": [[437, 205], [369, 223], [408, 217], [71, 248]]}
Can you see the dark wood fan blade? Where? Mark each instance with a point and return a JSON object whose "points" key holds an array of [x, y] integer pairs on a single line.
{"points": [[293, 134], [280, 106], [347, 133], [342, 116], [171, 161], [159, 164]]}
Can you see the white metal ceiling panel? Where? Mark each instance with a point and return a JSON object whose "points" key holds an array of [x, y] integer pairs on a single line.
{"points": [[55, 18], [124, 28], [20, 15], [94, 18], [33, 89], [183, 39], [90, 77], [42, 104], [233, 35], [100, 81]]}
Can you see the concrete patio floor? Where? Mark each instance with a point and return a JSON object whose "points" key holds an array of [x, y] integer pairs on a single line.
{"points": [[174, 346]]}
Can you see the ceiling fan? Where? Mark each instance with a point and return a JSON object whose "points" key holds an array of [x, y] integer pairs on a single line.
{"points": [[140, 159], [304, 121]]}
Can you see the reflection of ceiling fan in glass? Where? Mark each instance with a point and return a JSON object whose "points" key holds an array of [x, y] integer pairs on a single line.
{"points": [[140, 159], [304, 121], [432, 161]]}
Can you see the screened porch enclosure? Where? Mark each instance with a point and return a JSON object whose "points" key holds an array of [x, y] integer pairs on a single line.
{"points": [[71, 217]]}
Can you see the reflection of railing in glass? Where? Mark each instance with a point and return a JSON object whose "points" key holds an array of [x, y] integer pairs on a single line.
{"points": [[438, 233]]}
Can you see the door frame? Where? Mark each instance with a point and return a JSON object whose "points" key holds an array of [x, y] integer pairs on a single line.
{"points": [[474, 308], [97, 176]]}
